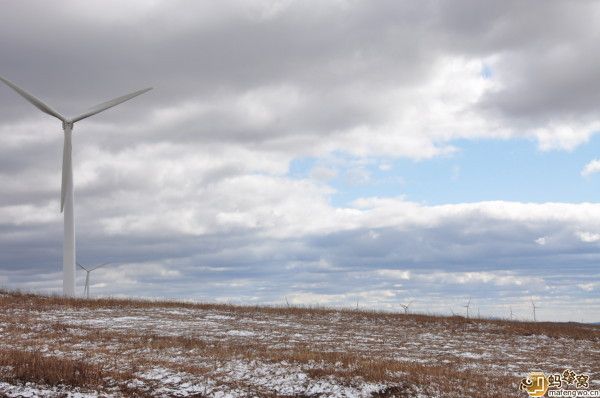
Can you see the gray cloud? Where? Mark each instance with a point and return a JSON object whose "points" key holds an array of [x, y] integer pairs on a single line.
{"points": [[190, 183]]}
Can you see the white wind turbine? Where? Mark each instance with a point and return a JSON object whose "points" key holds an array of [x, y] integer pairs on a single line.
{"points": [[406, 306], [66, 197], [86, 289], [534, 307], [467, 306]]}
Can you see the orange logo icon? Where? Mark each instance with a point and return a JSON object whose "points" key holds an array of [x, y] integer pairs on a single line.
{"points": [[535, 384]]}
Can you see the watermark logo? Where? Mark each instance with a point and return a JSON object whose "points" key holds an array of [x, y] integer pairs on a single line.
{"points": [[565, 384], [536, 384]]}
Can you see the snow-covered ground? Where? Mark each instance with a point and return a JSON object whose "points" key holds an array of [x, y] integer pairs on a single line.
{"points": [[227, 351]]}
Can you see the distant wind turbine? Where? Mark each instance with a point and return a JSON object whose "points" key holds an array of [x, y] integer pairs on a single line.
{"points": [[467, 306], [406, 307], [86, 289], [66, 195], [534, 307]]}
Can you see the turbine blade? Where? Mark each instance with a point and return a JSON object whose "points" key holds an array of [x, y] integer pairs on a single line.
{"points": [[98, 266], [109, 104], [33, 100], [78, 263], [66, 166]]}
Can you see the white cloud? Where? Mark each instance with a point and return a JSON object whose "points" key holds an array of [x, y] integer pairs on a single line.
{"points": [[541, 241], [564, 135], [591, 168], [588, 237], [394, 273], [478, 277], [133, 273], [588, 287], [374, 235]]}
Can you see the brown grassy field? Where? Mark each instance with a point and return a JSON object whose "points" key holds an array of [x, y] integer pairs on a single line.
{"points": [[52, 346]]}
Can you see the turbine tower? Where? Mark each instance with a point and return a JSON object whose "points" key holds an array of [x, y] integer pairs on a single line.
{"points": [[86, 288], [66, 192]]}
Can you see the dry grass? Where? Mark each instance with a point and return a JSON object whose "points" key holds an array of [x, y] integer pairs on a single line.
{"points": [[522, 328], [33, 366], [345, 345]]}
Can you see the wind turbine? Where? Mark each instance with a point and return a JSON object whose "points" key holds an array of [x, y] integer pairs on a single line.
{"points": [[467, 306], [66, 192], [406, 307], [534, 307], [86, 289]]}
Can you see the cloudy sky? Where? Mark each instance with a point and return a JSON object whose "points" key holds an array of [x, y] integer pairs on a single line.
{"points": [[326, 152]]}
